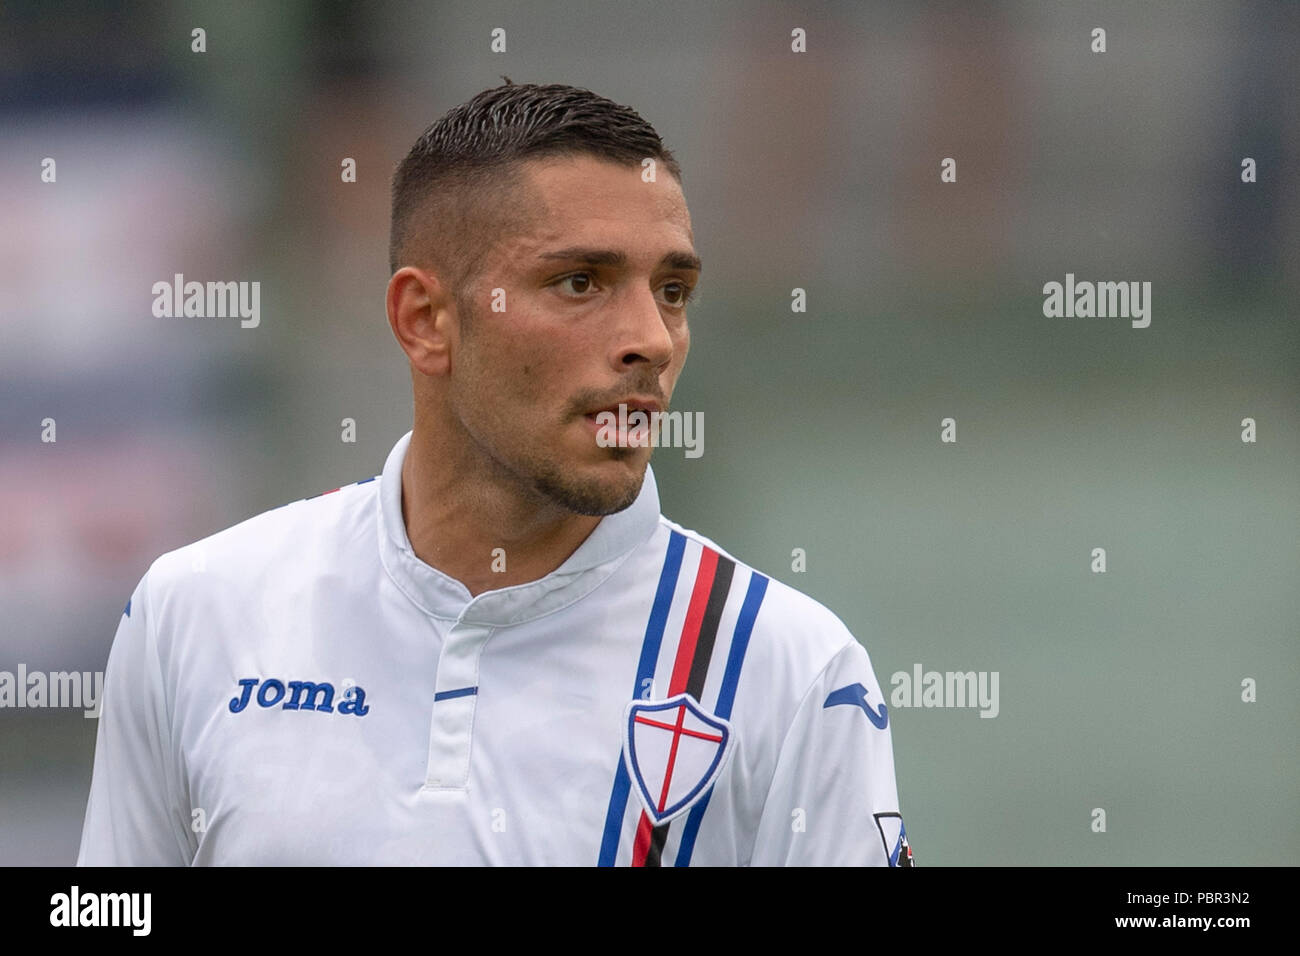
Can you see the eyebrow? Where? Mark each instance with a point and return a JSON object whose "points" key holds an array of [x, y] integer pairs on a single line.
{"points": [[615, 259]]}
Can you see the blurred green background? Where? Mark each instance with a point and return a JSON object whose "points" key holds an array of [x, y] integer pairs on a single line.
{"points": [[819, 171]]}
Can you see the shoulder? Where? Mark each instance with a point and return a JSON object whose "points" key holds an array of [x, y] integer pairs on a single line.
{"points": [[785, 663], [794, 638], [299, 539]]}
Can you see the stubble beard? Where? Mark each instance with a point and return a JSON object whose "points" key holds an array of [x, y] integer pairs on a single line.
{"points": [[589, 497], [547, 480], [546, 477]]}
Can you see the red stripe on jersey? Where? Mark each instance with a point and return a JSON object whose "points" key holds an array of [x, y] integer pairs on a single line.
{"points": [[681, 671], [694, 617], [644, 830]]}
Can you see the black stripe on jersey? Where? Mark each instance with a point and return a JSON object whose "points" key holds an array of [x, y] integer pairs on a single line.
{"points": [[718, 592]]}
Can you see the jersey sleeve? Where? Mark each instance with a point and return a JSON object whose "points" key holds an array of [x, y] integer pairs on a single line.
{"points": [[833, 800], [132, 816]]}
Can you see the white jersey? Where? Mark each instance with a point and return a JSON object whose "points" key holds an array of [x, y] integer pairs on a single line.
{"points": [[302, 689]]}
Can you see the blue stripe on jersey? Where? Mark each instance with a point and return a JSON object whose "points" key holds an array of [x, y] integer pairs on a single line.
{"points": [[452, 694], [726, 698], [645, 669]]}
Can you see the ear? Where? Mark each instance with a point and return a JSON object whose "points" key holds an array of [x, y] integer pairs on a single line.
{"points": [[421, 315]]}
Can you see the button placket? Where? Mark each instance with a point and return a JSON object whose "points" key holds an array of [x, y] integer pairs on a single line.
{"points": [[454, 702]]}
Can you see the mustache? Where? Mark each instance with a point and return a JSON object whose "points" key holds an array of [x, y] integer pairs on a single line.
{"points": [[605, 398]]}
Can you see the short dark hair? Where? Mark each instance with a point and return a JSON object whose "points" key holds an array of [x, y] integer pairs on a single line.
{"points": [[453, 192]]}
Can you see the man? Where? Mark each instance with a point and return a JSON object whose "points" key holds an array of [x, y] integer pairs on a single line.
{"points": [[498, 651]]}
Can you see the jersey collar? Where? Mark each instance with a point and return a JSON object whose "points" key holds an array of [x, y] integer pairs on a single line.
{"points": [[444, 597]]}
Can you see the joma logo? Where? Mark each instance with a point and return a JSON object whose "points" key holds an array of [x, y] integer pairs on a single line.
{"points": [[302, 694]]}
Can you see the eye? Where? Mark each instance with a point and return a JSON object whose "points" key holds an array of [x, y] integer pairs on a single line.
{"points": [[679, 293], [582, 282]]}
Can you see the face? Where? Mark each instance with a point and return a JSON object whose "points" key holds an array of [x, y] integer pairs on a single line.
{"points": [[591, 313]]}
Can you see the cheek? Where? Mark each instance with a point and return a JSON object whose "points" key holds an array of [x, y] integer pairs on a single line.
{"points": [[681, 346], [527, 374]]}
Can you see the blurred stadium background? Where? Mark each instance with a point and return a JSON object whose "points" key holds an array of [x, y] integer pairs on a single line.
{"points": [[818, 171]]}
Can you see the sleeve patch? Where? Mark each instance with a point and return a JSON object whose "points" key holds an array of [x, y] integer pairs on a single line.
{"points": [[894, 837]]}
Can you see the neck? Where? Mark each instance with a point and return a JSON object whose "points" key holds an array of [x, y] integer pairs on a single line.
{"points": [[482, 529]]}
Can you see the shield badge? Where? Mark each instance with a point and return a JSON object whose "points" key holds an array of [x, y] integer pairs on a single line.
{"points": [[674, 750], [894, 837]]}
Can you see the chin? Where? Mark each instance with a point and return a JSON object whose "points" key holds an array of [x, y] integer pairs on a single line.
{"points": [[603, 489]]}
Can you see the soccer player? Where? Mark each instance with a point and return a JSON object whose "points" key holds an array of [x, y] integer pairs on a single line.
{"points": [[498, 651]]}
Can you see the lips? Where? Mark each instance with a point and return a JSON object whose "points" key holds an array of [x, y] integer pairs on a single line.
{"points": [[626, 429], [633, 404]]}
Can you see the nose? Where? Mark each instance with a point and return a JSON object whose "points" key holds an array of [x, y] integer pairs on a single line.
{"points": [[644, 336]]}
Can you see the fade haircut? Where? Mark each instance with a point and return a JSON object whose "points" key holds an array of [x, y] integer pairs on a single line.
{"points": [[460, 187]]}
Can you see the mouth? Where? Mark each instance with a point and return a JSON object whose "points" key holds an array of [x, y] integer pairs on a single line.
{"points": [[614, 424], [634, 403]]}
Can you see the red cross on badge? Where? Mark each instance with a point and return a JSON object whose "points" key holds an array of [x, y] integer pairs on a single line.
{"points": [[674, 751]]}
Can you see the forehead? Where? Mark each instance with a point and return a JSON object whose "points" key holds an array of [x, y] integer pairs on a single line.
{"points": [[586, 200]]}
